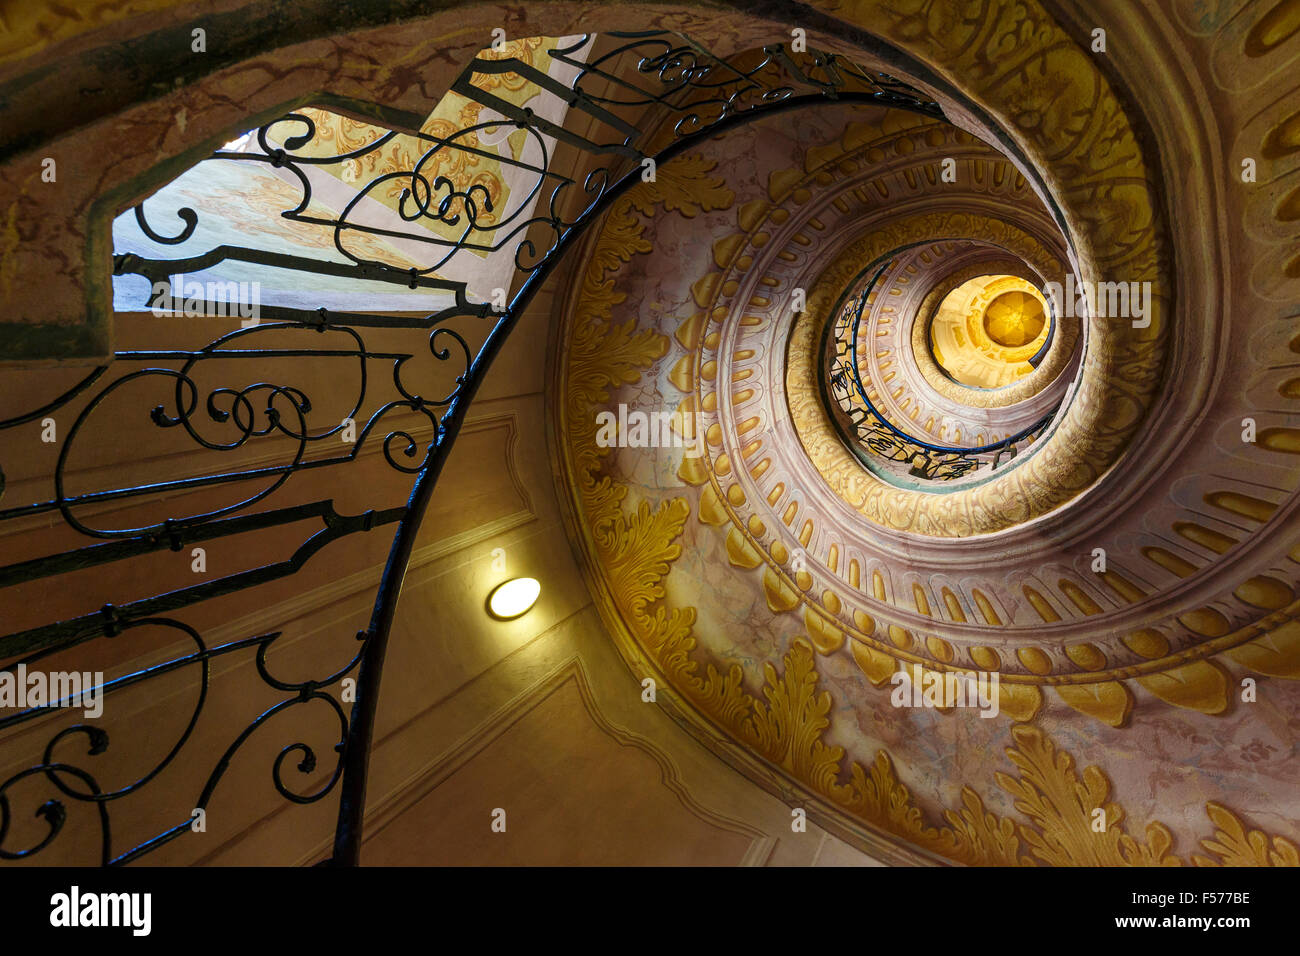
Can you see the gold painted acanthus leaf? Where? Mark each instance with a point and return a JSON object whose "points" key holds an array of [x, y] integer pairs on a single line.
{"points": [[1068, 830], [682, 186], [1234, 845], [788, 731]]}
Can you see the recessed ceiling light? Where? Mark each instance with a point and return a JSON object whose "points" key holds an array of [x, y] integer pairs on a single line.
{"points": [[514, 598]]}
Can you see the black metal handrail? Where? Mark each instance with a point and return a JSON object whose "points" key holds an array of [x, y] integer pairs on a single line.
{"points": [[642, 84]]}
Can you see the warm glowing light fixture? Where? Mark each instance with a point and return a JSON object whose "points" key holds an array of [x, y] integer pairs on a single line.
{"points": [[514, 598]]}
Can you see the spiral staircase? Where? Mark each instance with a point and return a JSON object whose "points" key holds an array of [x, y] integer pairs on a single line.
{"points": [[974, 327]]}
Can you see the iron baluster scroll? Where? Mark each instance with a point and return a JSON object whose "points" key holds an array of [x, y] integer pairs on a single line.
{"points": [[417, 233], [870, 433]]}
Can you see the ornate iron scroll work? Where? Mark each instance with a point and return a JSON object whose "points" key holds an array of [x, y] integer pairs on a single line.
{"points": [[869, 433], [636, 97]]}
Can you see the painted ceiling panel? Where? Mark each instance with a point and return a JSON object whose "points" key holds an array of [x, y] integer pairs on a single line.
{"points": [[402, 200]]}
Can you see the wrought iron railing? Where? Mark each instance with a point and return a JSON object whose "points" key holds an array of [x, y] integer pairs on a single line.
{"points": [[635, 97], [870, 433]]}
